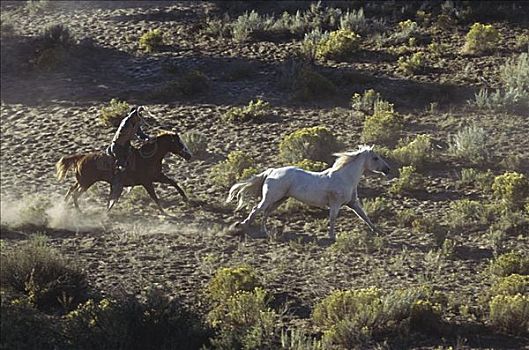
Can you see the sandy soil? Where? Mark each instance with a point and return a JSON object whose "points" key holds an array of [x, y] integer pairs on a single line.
{"points": [[45, 115]]}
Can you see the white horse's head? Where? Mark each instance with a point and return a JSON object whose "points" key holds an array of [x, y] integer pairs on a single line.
{"points": [[374, 162]]}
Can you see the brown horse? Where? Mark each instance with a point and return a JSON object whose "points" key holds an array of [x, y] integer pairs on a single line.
{"points": [[144, 167]]}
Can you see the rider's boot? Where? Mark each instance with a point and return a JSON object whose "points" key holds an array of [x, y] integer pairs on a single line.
{"points": [[116, 187]]}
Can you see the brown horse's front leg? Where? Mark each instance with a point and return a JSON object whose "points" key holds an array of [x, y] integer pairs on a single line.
{"points": [[162, 178], [150, 190]]}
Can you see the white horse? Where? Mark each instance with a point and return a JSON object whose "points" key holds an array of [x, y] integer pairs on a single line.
{"points": [[330, 188]]}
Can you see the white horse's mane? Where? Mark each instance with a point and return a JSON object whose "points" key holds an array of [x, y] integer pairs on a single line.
{"points": [[345, 158]]}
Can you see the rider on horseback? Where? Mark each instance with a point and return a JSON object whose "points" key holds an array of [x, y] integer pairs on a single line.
{"points": [[129, 128]]}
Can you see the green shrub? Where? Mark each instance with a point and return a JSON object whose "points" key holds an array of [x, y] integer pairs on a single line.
{"points": [[511, 285], [155, 321], [377, 207], [240, 312], [338, 45], [7, 27], [510, 313], [470, 144], [193, 83], [409, 180], [47, 279], [227, 281], [56, 36], [24, 327], [512, 189], [356, 240], [314, 143], [365, 102], [311, 165], [349, 318], [232, 169], [190, 84], [309, 85], [478, 179], [256, 110], [481, 38], [196, 142], [405, 217], [383, 126], [416, 152], [514, 92], [152, 40], [113, 114], [510, 263], [465, 212], [413, 64], [244, 321], [296, 339]]}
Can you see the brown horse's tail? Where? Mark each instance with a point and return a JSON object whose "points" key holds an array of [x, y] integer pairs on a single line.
{"points": [[65, 164]]}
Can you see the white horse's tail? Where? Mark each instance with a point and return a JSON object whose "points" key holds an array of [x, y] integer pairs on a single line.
{"points": [[251, 186]]}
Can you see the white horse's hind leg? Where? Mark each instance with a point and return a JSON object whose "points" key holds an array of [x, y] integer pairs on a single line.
{"points": [[266, 202], [269, 211], [333, 213]]}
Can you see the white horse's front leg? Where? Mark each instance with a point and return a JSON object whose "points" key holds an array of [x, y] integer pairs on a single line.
{"points": [[359, 211], [333, 213]]}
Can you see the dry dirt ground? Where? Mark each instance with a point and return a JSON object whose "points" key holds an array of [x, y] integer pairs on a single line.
{"points": [[45, 115]]}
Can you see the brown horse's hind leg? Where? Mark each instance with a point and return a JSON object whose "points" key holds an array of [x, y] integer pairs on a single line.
{"points": [[70, 191], [76, 194], [166, 180], [150, 190]]}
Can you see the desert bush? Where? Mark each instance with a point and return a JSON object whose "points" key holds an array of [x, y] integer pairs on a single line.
{"points": [[152, 40], [413, 64], [296, 339], [481, 180], [310, 165], [465, 212], [338, 45], [510, 285], [244, 321], [377, 207], [308, 49], [112, 114], [409, 180], [309, 85], [512, 189], [47, 279], [354, 21], [56, 36], [510, 313], [365, 102], [248, 23], [39, 6], [438, 49], [514, 74], [256, 111], [470, 144], [522, 41], [7, 27], [356, 240], [153, 321], [314, 143], [232, 169], [407, 29], [229, 280], [405, 217], [349, 318], [24, 327], [240, 312], [416, 152], [510, 263], [383, 126], [196, 142], [193, 83], [189, 84], [481, 38]]}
